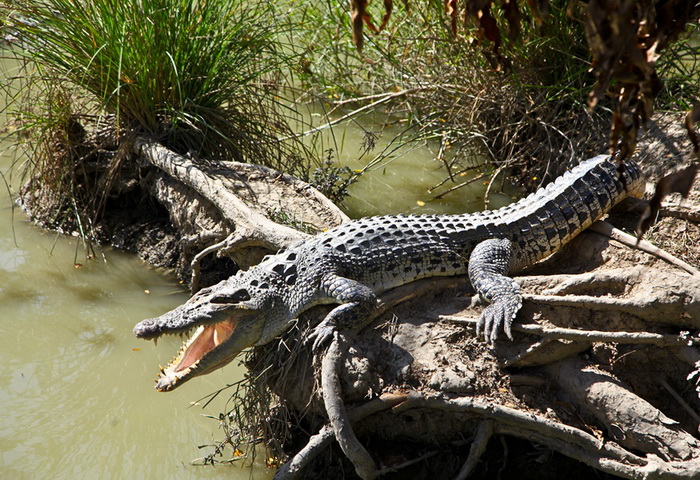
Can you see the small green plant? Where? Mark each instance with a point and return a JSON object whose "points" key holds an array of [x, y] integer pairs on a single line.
{"points": [[333, 180]]}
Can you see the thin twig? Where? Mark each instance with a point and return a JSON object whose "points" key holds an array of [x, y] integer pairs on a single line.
{"points": [[463, 184], [408, 463], [384, 98], [680, 400], [490, 185]]}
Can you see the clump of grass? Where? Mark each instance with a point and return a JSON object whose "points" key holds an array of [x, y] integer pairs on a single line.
{"points": [[204, 77], [189, 72], [679, 69]]}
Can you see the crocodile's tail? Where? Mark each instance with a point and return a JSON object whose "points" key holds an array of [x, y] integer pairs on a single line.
{"points": [[541, 223]]}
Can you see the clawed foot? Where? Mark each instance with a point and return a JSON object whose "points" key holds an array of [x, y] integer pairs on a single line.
{"points": [[321, 335], [500, 313]]}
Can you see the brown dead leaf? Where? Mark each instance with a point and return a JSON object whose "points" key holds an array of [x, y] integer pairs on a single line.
{"points": [[680, 181], [388, 7], [357, 13]]}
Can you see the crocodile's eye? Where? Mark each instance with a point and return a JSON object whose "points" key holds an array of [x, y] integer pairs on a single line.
{"points": [[236, 297]]}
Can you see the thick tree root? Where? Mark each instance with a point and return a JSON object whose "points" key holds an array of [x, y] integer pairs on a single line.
{"points": [[337, 415], [607, 456], [245, 220], [631, 421], [293, 467]]}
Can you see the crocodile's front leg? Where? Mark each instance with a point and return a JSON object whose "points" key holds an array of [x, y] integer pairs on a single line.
{"points": [[356, 302], [488, 266]]}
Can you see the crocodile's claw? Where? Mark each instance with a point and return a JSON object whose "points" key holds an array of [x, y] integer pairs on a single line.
{"points": [[500, 313], [320, 336]]}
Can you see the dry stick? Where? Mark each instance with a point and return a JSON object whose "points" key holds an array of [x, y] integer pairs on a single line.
{"points": [[604, 228], [592, 335], [408, 463], [487, 194], [317, 443], [195, 264], [481, 440], [338, 417], [456, 187], [369, 106]]}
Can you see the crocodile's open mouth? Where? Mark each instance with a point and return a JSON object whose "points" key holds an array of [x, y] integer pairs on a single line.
{"points": [[205, 340]]}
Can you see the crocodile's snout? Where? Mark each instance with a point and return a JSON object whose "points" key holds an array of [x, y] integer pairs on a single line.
{"points": [[147, 329]]}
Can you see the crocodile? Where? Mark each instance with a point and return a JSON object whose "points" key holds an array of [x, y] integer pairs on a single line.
{"points": [[351, 264]]}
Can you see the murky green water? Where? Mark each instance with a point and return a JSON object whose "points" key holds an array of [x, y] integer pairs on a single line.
{"points": [[402, 182]]}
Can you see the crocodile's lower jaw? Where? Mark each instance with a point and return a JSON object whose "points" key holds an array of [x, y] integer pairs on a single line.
{"points": [[204, 341]]}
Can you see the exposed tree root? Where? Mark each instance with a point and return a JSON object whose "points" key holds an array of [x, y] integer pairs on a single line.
{"points": [[477, 449], [552, 333], [317, 443], [248, 218], [337, 415]]}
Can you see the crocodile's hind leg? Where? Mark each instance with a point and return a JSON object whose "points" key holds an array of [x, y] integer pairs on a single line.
{"points": [[488, 266], [356, 302]]}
